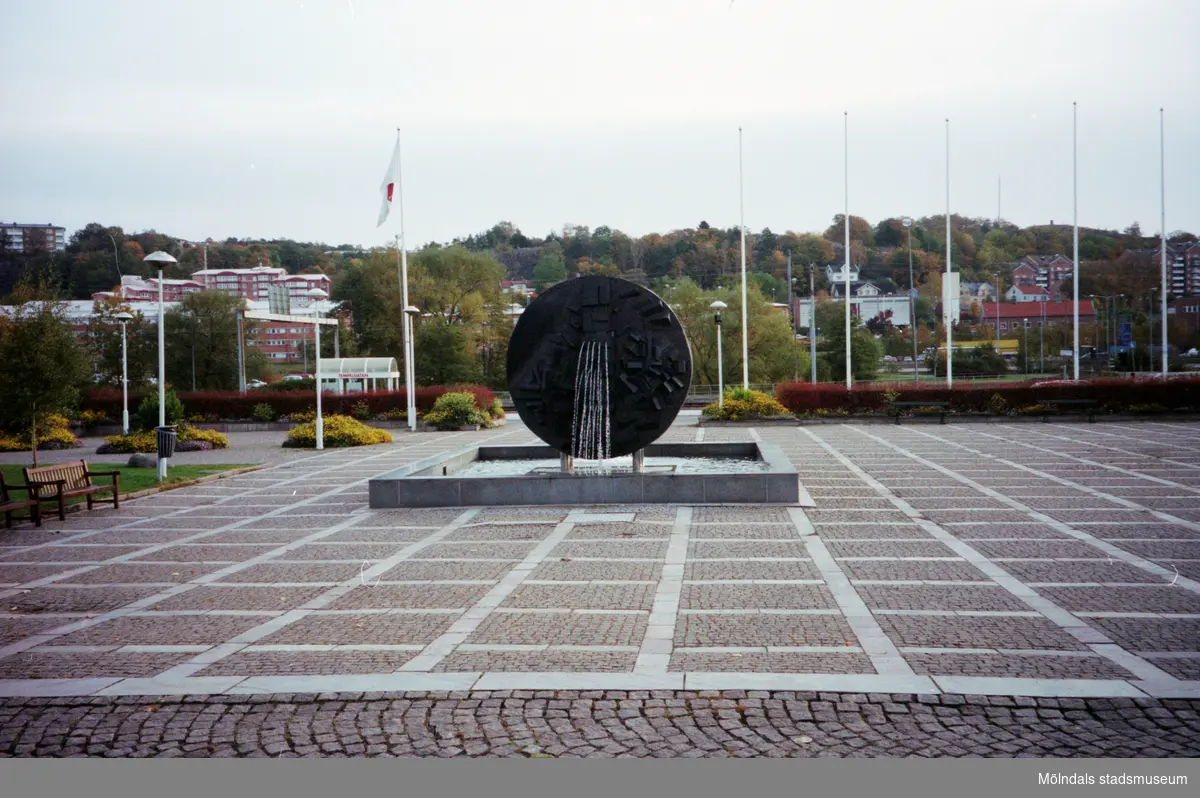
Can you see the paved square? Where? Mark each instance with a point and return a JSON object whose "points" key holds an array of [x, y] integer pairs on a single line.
{"points": [[1051, 560]]}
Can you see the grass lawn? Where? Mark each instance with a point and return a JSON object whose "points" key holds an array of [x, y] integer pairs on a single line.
{"points": [[133, 479]]}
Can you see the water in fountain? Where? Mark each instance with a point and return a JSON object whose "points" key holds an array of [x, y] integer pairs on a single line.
{"points": [[591, 426]]}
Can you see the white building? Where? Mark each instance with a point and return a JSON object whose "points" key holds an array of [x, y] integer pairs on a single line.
{"points": [[1027, 293], [26, 237], [837, 274]]}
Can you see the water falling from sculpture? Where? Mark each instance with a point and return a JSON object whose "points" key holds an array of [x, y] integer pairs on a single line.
{"points": [[591, 428]]}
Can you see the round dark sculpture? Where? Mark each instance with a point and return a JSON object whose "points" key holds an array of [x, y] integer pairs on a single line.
{"points": [[649, 361]]}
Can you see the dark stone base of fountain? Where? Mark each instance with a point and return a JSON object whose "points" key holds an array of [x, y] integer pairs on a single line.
{"points": [[435, 482]]}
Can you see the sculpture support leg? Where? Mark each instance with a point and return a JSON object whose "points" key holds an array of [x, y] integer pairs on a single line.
{"points": [[639, 461], [567, 462]]}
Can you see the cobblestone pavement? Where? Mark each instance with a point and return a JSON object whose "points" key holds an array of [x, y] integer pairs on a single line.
{"points": [[1001, 560], [596, 724]]}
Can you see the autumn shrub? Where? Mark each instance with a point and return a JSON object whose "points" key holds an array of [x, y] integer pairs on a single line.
{"points": [[741, 404], [263, 412], [188, 433], [190, 439], [52, 434], [454, 410], [997, 405], [395, 414], [140, 441], [301, 417], [93, 418], [1151, 409], [361, 411], [338, 431]]}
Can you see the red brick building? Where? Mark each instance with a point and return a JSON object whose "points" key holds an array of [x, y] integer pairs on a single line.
{"points": [[1016, 316]]}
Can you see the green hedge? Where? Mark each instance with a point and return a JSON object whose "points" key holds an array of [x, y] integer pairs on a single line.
{"points": [[1178, 394]]}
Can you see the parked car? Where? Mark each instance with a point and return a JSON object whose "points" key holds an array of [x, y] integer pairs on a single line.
{"points": [[255, 384]]}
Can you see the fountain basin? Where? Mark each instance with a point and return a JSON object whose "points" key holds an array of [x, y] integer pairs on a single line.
{"points": [[757, 474]]}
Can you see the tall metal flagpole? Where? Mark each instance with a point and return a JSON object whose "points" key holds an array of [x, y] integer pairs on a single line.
{"points": [[742, 228], [946, 304], [846, 169], [405, 321], [1075, 267], [1162, 149]]}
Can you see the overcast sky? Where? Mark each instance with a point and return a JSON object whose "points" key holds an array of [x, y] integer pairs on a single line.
{"points": [[276, 118]]}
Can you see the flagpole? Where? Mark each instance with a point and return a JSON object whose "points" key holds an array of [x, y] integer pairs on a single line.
{"points": [[946, 298], [1075, 267], [846, 178], [742, 226], [1162, 161], [405, 321]]}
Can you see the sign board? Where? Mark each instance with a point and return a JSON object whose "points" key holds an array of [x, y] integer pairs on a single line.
{"points": [[355, 376], [279, 300], [252, 315], [1125, 333], [951, 311]]}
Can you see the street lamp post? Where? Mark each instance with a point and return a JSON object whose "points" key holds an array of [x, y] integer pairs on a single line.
{"points": [[1042, 338], [812, 322], [116, 257], [718, 306], [912, 287], [123, 317], [1150, 330], [1025, 324], [316, 295], [159, 258]]}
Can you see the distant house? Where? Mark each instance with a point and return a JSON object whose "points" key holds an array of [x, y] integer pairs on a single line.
{"points": [[1027, 293], [978, 291], [1045, 271], [517, 287], [867, 289], [1024, 274], [836, 274]]}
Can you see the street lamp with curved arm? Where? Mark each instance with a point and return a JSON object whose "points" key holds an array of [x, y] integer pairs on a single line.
{"points": [[116, 257]]}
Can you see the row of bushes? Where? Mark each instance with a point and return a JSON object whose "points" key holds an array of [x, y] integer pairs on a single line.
{"points": [[55, 433], [1110, 394], [189, 439], [223, 405]]}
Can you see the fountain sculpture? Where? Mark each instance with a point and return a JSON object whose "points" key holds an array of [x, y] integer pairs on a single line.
{"points": [[598, 369]]}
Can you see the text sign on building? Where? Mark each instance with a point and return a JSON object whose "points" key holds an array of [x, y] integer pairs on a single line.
{"points": [[355, 376]]}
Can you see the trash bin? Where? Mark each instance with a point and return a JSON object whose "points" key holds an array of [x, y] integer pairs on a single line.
{"points": [[166, 441]]}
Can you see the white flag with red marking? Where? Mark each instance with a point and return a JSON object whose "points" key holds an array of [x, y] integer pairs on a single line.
{"points": [[391, 180]]}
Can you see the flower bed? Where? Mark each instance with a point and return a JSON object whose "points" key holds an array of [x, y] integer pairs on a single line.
{"points": [[53, 434], [190, 439], [227, 405], [338, 431], [741, 404]]}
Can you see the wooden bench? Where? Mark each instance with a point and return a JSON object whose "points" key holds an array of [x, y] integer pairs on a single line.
{"points": [[9, 505], [62, 481], [943, 406], [1058, 404]]}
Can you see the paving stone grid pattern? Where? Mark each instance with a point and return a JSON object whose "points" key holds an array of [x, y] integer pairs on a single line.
{"points": [[1054, 561]]}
